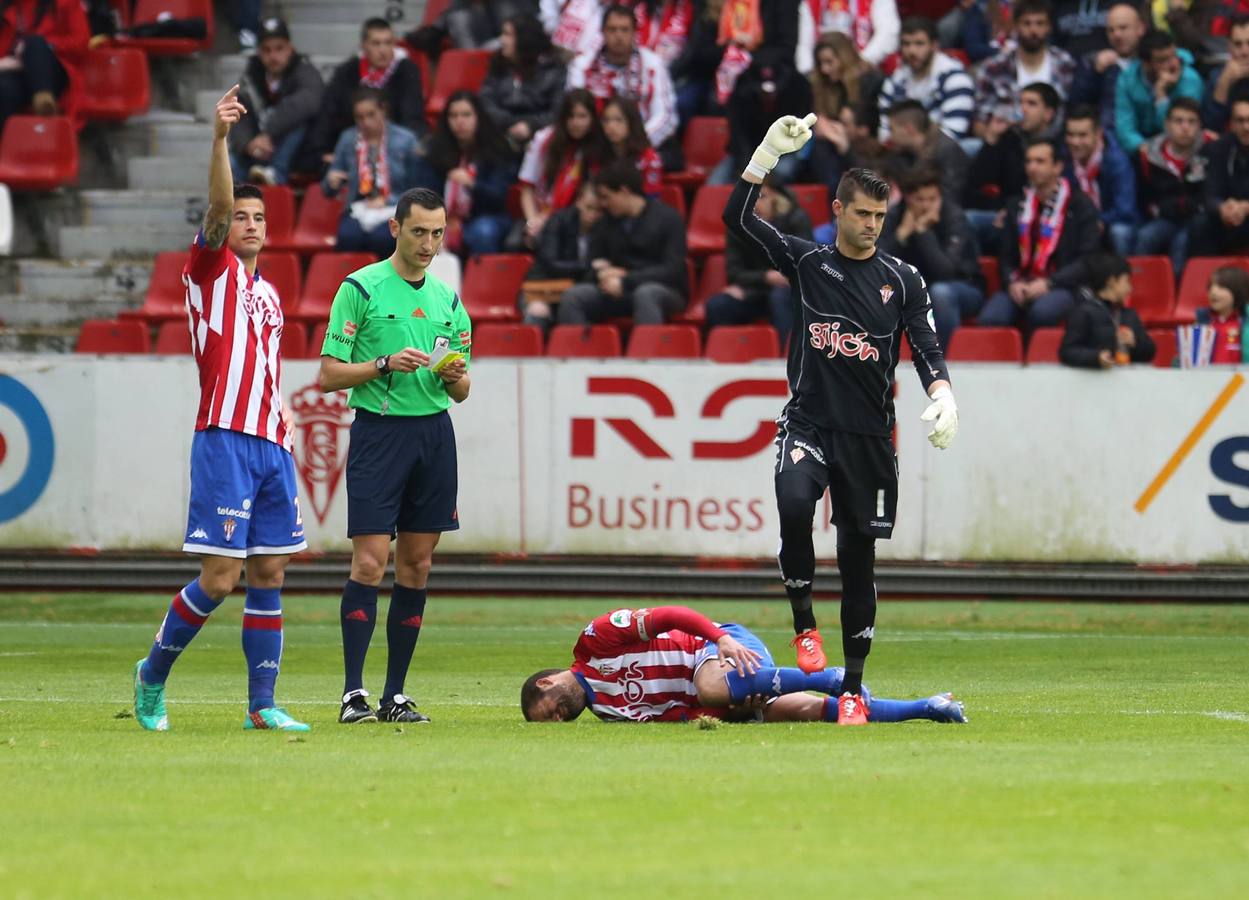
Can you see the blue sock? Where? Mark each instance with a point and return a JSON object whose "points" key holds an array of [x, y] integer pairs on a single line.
{"points": [[262, 644], [403, 627], [896, 710], [772, 682], [358, 615], [187, 614]]}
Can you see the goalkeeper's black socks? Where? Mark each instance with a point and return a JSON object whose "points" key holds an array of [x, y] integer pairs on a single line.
{"points": [[856, 560]]}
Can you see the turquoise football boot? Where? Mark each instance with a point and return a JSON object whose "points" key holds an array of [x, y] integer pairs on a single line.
{"points": [[149, 702], [274, 718]]}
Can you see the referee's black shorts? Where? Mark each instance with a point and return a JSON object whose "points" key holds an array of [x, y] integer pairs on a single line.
{"points": [[859, 470], [401, 474]]}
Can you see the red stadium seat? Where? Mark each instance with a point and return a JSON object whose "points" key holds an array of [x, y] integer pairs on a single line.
{"points": [[279, 217], [1166, 344], [491, 286], [663, 342], [38, 153], [512, 203], [282, 271], [316, 229], [706, 142], [149, 12], [118, 84], [434, 9], [583, 341], [673, 196], [742, 343], [711, 282], [294, 342], [491, 340], [325, 274], [1194, 284], [1153, 288], [992, 277], [173, 339], [110, 336], [166, 294], [458, 70], [986, 345], [1043, 346], [317, 341], [813, 198], [705, 234]]}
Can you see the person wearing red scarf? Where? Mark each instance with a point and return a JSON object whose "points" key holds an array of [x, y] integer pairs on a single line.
{"points": [[1057, 227], [42, 43], [1173, 183]]}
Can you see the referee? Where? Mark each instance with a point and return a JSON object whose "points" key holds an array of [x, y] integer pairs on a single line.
{"points": [[391, 325], [852, 304]]}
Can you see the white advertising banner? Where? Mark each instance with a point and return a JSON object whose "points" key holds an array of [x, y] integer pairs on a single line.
{"points": [[666, 458]]}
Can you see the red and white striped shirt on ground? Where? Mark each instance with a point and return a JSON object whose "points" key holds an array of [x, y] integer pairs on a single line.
{"points": [[236, 326], [638, 675]]}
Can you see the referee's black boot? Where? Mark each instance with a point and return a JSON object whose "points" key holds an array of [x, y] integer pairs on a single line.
{"points": [[356, 709], [400, 709]]}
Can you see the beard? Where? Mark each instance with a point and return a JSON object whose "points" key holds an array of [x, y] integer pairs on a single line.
{"points": [[1031, 44]]}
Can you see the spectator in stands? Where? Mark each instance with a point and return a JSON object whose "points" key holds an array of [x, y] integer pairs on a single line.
{"points": [[469, 164], [871, 24], [1035, 60], [1221, 81], [379, 65], [1095, 163], [525, 81], [560, 157], [563, 250], [844, 95], [1101, 331], [1097, 78], [574, 25], [626, 138], [1172, 184], [694, 72], [377, 161], [282, 91], [1048, 233], [1227, 294], [623, 69], [979, 27], [1146, 88], [42, 42], [937, 81], [755, 289], [917, 140], [997, 171], [931, 233], [1224, 226], [637, 254], [1080, 26], [478, 24]]}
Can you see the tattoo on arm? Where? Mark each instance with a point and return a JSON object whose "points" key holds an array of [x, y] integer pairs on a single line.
{"points": [[216, 229]]}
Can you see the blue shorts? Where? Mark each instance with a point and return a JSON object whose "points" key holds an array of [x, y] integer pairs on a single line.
{"points": [[243, 497], [401, 475], [743, 636]]}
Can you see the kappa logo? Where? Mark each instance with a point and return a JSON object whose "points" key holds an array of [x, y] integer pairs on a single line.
{"points": [[228, 526], [199, 534], [267, 664], [797, 455], [796, 583], [869, 632], [886, 292], [825, 267]]}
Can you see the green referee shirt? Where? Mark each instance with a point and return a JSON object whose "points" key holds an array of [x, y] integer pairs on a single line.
{"points": [[377, 313]]}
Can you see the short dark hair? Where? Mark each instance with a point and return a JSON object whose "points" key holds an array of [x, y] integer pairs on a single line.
{"points": [[861, 181], [1030, 7], [1102, 267], [621, 174], [1044, 141], [617, 9], [918, 178], [911, 112], [1047, 92], [1240, 20], [1185, 103], [1085, 111], [365, 94], [375, 23], [422, 197], [1154, 40], [913, 24], [248, 192], [530, 693]]}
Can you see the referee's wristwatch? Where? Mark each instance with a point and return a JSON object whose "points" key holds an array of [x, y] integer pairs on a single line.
{"points": [[383, 364]]}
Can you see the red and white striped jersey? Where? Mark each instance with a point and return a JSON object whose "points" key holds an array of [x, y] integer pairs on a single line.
{"points": [[632, 674], [236, 326]]}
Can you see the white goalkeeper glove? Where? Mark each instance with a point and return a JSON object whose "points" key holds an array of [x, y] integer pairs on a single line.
{"points": [[787, 134], [944, 417]]}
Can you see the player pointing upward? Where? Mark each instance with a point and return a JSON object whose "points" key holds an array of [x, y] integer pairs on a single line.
{"points": [[852, 305]]}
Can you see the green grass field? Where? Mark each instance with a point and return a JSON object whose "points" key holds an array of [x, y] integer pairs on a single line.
{"points": [[1107, 756]]}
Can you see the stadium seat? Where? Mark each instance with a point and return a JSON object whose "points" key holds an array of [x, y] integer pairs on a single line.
{"points": [[173, 338], [1193, 285], [813, 198], [712, 280], [986, 345], [38, 153], [742, 343], [149, 12], [118, 84], [1153, 288], [282, 271], [294, 342], [279, 217], [491, 340], [111, 336], [992, 277], [705, 234], [166, 294], [325, 273], [1165, 343], [434, 9], [1043, 346], [672, 195], [663, 342], [583, 341], [492, 285], [316, 229], [706, 142], [457, 70]]}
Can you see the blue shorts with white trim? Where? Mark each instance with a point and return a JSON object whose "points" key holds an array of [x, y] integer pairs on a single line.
{"points": [[743, 636]]}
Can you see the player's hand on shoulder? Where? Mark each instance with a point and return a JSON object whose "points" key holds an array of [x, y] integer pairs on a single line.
{"points": [[409, 359]]}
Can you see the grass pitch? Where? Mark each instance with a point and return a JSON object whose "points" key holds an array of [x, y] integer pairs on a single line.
{"points": [[1107, 756]]}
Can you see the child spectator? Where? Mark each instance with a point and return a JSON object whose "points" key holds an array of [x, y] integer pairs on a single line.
{"points": [[1101, 331], [626, 139], [1228, 295]]}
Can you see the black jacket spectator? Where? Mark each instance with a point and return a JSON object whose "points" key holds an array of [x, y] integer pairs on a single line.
{"points": [[747, 264], [651, 248], [944, 252], [563, 250], [1080, 236], [1163, 194], [525, 82], [996, 173], [276, 113], [1227, 173], [1093, 328], [404, 97]]}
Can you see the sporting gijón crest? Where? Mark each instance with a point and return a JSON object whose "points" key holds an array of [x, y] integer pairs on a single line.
{"points": [[322, 428]]}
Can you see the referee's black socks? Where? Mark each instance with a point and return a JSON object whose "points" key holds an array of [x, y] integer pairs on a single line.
{"points": [[856, 560], [357, 616], [403, 627]]}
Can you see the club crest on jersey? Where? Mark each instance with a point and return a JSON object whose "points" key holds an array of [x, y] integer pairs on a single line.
{"points": [[797, 455], [886, 292], [227, 526], [828, 336]]}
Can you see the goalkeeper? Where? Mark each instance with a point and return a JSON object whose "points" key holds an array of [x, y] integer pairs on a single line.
{"points": [[851, 306]]}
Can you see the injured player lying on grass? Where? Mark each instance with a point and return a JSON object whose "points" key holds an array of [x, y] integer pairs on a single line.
{"points": [[672, 664]]}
